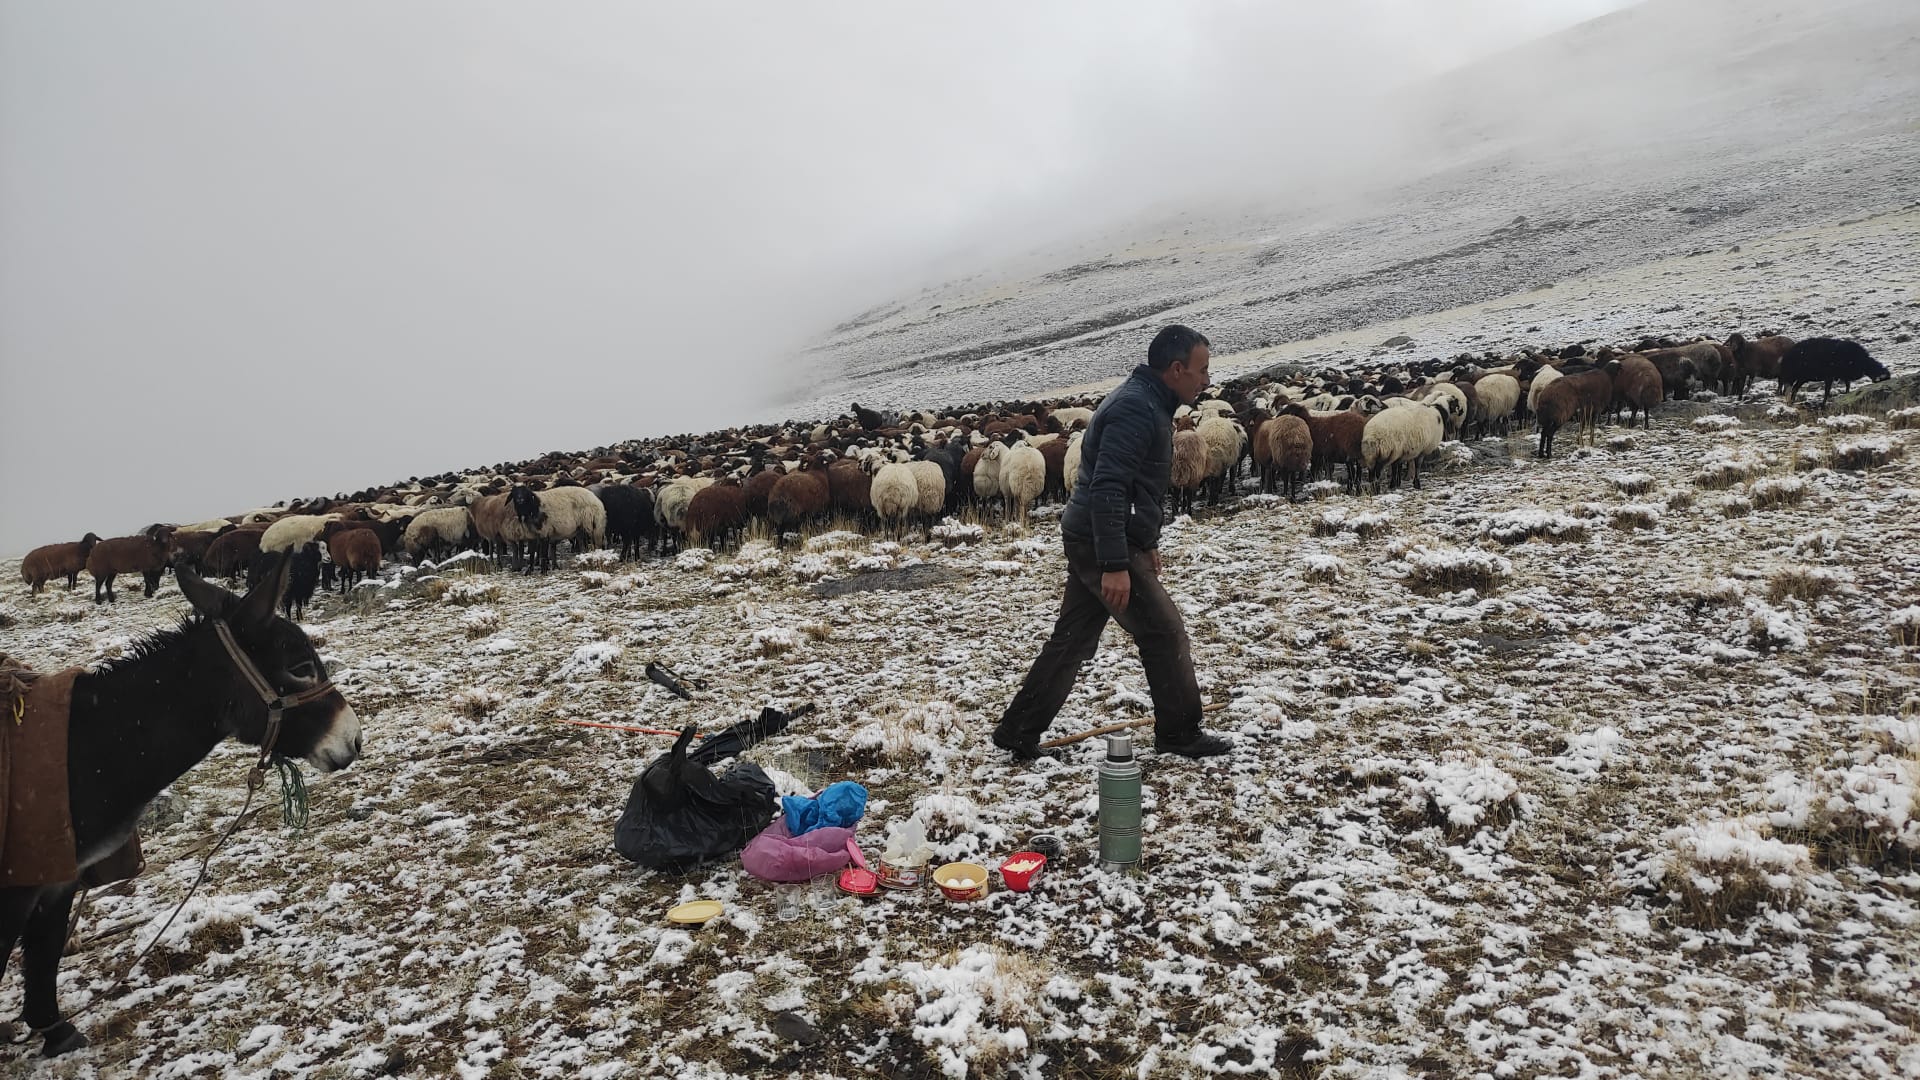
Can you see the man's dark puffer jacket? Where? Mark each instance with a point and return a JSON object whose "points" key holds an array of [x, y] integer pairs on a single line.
{"points": [[1126, 460]]}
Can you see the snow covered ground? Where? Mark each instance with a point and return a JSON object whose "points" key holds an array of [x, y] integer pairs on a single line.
{"points": [[1643, 801]]}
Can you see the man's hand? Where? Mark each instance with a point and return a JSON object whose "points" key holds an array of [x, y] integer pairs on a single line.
{"points": [[1154, 555], [1115, 587]]}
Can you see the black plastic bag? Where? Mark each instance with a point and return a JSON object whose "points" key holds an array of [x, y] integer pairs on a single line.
{"points": [[680, 814]]}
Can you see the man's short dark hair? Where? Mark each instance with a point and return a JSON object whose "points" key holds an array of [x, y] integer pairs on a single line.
{"points": [[1175, 343]]}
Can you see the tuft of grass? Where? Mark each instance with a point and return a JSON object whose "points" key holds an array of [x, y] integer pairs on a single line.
{"points": [[462, 593], [1735, 506], [1636, 516], [1680, 499], [480, 622], [1870, 453], [1636, 483], [478, 701], [1801, 583], [1904, 625], [1450, 569], [1720, 872], [1771, 492], [1722, 473]]}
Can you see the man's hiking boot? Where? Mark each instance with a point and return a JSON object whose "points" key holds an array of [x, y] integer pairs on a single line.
{"points": [[1202, 745], [1022, 751]]}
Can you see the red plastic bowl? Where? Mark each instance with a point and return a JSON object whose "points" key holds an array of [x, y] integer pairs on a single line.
{"points": [[1022, 880]]}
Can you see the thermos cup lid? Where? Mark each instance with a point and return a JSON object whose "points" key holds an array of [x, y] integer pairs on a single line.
{"points": [[1120, 747]]}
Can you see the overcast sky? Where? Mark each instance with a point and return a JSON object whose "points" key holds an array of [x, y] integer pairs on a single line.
{"points": [[255, 251]]}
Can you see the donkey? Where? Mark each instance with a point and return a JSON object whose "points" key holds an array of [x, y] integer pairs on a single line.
{"points": [[140, 722]]}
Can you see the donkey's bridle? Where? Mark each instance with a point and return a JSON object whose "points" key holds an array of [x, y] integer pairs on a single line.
{"points": [[276, 703]]}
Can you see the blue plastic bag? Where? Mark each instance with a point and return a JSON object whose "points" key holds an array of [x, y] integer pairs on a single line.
{"points": [[839, 805]]}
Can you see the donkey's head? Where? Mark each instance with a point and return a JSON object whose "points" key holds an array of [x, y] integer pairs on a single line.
{"points": [[275, 657]]}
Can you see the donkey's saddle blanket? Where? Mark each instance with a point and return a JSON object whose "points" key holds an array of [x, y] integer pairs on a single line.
{"points": [[36, 823]]}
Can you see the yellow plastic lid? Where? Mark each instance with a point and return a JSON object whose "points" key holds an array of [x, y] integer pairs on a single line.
{"points": [[695, 911]]}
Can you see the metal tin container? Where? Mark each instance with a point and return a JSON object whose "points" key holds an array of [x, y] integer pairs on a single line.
{"points": [[902, 875]]}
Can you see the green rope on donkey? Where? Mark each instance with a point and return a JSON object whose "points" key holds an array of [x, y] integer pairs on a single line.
{"points": [[293, 792]]}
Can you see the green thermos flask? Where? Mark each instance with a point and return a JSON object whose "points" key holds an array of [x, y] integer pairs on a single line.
{"points": [[1119, 805]]}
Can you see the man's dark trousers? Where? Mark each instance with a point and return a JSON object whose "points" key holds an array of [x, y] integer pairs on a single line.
{"points": [[1157, 629]]}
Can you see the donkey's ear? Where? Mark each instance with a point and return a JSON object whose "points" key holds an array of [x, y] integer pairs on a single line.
{"points": [[260, 602], [210, 600]]}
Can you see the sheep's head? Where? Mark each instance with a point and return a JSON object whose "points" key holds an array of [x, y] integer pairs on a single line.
{"points": [[526, 506]]}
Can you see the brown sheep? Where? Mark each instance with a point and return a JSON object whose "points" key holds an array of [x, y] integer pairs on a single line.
{"points": [[389, 530], [757, 488], [190, 547], [716, 511], [355, 552], [848, 488], [1055, 454], [145, 554], [232, 551], [1685, 367], [1289, 454], [493, 519], [796, 499], [1578, 396], [1336, 439], [1257, 447], [43, 564], [968, 464], [1757, 359], [1636, 384]]}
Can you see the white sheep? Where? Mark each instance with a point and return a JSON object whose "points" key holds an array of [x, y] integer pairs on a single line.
{"points": [[670, 503], [986, 472], [576, 515], [1071, 467], [932, 481], [573, 514], [1214, 407], [1542, 379], [443, 529], [294, 531], [1023, 476], [1226, 440], [1067, 419], [1188, 470], [1497, 394], [1449, 396], [1397, 437], [894, 493]]}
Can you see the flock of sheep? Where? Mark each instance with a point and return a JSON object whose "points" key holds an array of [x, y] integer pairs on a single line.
{"points": [[885, 470]]}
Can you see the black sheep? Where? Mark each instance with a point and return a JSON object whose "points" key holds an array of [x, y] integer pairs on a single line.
{"points": [[869, 420], [629, 517], [1828, 361], [303, 575]]}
